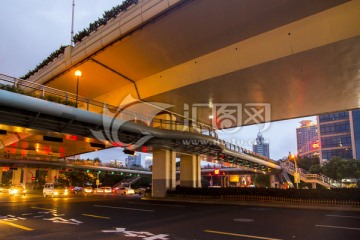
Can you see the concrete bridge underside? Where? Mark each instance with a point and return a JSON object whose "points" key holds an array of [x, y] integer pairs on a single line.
{"points": [[299, 56]]}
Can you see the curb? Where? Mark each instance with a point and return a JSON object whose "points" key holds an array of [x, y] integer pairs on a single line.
{"points": [[256, 204]]}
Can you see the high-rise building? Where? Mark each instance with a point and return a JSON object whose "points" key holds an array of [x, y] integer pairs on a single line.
{"points": [[132, 160], [307, 139], [148, 163], [339, 135], [261, 147]]}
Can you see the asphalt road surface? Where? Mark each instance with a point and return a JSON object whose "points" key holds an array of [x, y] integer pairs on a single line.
{"points": [[128, 217]]}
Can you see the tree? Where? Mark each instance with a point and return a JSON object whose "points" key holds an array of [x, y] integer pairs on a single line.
{"points": [[315, 169], [307, 162], [262, 180], [338, 168], [97, 161]]}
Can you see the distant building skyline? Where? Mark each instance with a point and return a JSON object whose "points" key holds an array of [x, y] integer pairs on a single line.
{"points": [[307, 139], [132, 160], [261, 147], [148, 162]]}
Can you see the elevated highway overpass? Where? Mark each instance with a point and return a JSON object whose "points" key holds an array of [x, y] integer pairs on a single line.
{"points": [[294, 55], [198, 57]]}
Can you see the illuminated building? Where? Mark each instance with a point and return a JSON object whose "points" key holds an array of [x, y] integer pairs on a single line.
{"points": [[307, 139], [339, 135], [261, 147]]}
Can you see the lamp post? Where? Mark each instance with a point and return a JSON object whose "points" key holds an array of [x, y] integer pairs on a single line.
{"points": [[78, 74], [296, 173]]}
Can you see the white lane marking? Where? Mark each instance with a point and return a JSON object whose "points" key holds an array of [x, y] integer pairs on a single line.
{"points": [[240, 235], [158, 204], [328, 226], [142, 234], [243, 220], [341, 216], [134, 209]]}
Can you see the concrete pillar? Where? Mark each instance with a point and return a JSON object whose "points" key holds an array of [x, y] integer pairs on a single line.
{"points": [[190, 171], [1, 174], [163, 172], [16, 176], [272, 181], [313, 185], [28, 174], [52, 175]]}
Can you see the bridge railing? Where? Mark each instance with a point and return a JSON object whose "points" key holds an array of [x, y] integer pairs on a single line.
{"points": [[48, 93], [39, 157], [177, 122], [309, 176]]}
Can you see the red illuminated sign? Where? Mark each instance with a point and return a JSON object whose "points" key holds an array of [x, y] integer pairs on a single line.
{"points": [[315, 145]]}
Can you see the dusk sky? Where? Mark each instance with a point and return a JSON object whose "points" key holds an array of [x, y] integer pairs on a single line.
{"points": [[32, 30]]}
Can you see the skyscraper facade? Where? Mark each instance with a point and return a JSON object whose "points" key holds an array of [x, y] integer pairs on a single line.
{"points": [[261, 147], [339, 135], [132, 160], [307, 139]]}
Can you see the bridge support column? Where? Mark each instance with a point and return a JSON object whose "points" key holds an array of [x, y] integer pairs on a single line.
{"points": [[313, 185], [28, 174], [52, 175], [16, 176], [1, 174], [272, 181], [190, 171], [164, 172]]}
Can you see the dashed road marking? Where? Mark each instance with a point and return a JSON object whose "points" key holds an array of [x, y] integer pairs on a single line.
{"points": [[47, 209], [341, 216], [241, 235], [16, 225], [133, 209], [243, 220], [158, 204], [95, 216], [339, 227]]}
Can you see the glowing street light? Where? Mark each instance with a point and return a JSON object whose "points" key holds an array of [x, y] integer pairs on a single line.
{"points": [[296, 173], [78, 74]]}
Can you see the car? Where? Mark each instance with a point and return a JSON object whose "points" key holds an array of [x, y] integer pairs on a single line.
{"points": [[75, 189], [124, 191], [98, 190], [4, 188], [140, 191], [55, 190], [88, 190], [107, 189], [17, 190]]}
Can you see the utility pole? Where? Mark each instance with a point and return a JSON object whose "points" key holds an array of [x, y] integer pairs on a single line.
{"points": [[72, 24]]}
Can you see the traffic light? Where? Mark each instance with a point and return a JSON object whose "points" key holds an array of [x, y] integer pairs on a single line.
{"points": [[87, 170]]}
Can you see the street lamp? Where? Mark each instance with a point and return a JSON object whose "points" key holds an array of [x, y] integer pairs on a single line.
{"points": [[296, 173], [78, 74]]}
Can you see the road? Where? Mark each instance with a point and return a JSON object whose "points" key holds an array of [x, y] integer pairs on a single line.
{"points": [[129, 217]]}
